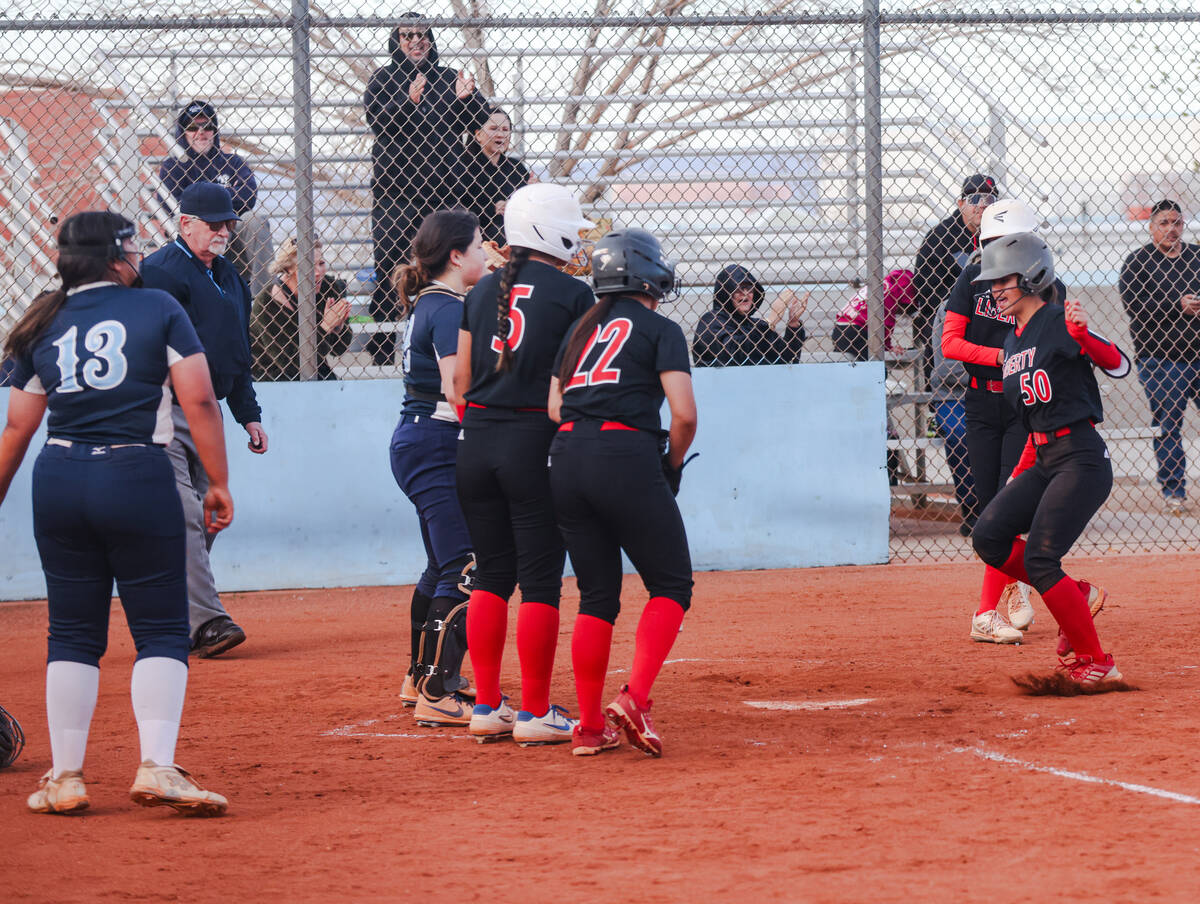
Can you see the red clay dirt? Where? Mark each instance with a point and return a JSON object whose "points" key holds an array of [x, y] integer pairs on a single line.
{"points": [[909, 767]]}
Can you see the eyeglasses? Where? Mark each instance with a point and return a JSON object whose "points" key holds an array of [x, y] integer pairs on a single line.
{"points": [[413, 35], [205, 127], [980, 199]]}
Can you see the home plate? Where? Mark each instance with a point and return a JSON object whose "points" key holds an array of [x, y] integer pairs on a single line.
{"points": [[808, 704]]}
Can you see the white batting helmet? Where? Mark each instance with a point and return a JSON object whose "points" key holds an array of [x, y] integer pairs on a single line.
{"points": [[1007, 217], [545, 217]]}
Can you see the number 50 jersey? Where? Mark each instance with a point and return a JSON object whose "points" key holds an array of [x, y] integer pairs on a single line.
{"points": [[616, 378], [1047, 378]]}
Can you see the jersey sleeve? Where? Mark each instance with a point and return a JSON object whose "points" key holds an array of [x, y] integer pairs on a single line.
{"points": [[181, 338], [444, 327], [24, 377], [672, 350]]}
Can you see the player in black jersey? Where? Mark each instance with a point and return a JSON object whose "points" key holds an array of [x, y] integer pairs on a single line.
{"points": [[613, 485], [1048, 378], [513, 322], [104, 356], [974, 333], [447, 259]]}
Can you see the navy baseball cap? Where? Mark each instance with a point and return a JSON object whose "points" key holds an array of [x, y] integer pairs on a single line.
{"points": [[207, 201], [979, 184]]}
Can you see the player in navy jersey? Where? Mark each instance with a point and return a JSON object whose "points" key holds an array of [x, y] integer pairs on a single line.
{"points": [[103, 358], [513, 322], [614, 487], [974, 333], [447, 260], [1065, 475]]}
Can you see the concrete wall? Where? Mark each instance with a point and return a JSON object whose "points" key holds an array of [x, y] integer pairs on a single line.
{"points": [[791, 473]]}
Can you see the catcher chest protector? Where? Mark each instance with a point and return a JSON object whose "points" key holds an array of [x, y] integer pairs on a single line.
{"points": [[12, 739]]}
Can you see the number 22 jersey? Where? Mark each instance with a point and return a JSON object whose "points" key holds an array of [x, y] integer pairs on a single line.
{"points": [[617, 377], [1047, 378]]}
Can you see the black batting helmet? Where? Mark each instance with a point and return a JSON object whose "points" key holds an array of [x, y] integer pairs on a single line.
{"points": [[631, 260], [12, 739]]}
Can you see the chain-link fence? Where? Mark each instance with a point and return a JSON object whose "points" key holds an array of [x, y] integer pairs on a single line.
{"points": [[815, 148]]}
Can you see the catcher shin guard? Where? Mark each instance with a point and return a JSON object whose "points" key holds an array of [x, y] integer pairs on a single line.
{"points": [[443, 646], [12, 739], [467, 584], [418, 615]]}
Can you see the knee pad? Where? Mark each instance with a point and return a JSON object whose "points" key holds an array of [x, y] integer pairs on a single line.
{"points": [[991, 548], [442, 648]]}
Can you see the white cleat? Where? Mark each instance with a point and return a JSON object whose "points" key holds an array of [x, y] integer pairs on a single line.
{"points": [[492, 723], [555, 727], [992, 627], [1020, 610]]}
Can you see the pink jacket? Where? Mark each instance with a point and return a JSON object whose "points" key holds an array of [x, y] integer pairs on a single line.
{"points": [[897, 291]]}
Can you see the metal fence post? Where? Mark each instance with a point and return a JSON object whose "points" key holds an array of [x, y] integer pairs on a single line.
{"points": [[873, 182], [306, 295]]}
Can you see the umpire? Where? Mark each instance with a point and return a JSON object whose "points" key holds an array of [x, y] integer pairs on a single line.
{"points": [[942, 257], [217, 300]]}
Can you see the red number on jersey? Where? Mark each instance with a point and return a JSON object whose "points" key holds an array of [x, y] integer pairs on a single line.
{"points": [[1035, 387], [613, 337], [516, 319]]}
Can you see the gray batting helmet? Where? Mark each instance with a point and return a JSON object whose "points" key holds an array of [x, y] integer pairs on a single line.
{"points": [[1022, 254]]}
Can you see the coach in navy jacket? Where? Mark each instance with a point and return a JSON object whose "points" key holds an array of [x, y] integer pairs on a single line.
{"points": [[217, 301]]}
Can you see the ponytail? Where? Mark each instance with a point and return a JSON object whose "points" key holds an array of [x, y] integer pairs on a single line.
{"points": [[37, 317], [586, 325], [508, 276], [408, 280]]}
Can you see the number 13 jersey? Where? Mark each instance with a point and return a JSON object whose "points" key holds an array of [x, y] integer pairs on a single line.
{"points": [[616, 378], [1047, 378]]}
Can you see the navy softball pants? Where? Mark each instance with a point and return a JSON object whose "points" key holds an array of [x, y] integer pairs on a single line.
{"points": [[610, 495], [423, 455], [101, 514]]}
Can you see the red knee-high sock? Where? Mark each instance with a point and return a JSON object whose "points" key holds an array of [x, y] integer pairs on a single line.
{"points": [[1015, 566], [994, 582], [1068, 603], [656, 634], [537, 639], [590, 645], [487, 627]]}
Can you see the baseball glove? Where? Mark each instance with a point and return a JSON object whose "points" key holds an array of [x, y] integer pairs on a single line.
{"points": [[581, 264], [497, 257], [12, 739]]}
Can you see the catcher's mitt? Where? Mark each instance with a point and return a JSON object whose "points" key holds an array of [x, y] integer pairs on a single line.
{"points": [[12, 739]]}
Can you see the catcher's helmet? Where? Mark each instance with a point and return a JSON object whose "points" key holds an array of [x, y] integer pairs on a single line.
{"points": [[545, 217], [95, 233], [1007, 217], [631, 260], [1023, 254], [12, 739]]}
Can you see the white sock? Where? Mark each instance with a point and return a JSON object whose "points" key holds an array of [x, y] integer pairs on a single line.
{"points": [[71, 689], [158, 687]]}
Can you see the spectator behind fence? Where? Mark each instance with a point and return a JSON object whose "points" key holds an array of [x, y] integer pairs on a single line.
{"points": [[198, 157], [217, 301], [418, 112], [275, 322], [730, 334], [943, 255], [850, 325], [1160, 288], [487, 174]]}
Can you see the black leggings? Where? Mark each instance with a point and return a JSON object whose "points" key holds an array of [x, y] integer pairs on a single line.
{"points": [[610, 495], [995, 439], [1052, 503], [504, 490]]}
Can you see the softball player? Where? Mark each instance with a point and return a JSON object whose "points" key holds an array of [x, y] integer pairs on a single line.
{"points": [[974, 333], [1048, 378], [513, 322], [613, 485], [104, 357], [447, 259]]}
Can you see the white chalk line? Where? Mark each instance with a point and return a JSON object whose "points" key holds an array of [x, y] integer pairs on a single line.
{"points": [[807, 705], [1079, 776], [355, 730]]}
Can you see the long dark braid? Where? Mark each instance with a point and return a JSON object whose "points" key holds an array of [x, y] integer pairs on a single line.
{"points": [[579, 338], [508, 276]]}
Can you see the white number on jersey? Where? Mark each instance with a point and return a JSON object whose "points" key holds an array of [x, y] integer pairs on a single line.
{"points": [[106, 370]]}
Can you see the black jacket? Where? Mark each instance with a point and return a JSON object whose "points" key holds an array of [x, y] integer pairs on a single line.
{"points": [[725, 337], [1150, 285], [416, 145], [218, 304], [218, 166], [480, 185], [942, 256]]}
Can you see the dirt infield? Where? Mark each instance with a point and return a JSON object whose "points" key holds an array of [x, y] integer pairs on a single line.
{"points": [[831, 736]]}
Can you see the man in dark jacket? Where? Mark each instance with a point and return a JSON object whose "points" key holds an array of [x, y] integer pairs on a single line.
{"points": [[730, 334], [418, 112], [217, 301], [942, 257], [197, 157]]}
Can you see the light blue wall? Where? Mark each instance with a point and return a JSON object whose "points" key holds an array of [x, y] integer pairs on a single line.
{"points": [[791, 473]]}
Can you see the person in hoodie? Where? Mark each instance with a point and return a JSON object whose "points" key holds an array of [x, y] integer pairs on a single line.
{"points": [[730, 334], [418, 112], [197, 157]]}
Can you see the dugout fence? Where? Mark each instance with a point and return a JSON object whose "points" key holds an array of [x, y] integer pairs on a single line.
{"points": [[816, 145]]}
